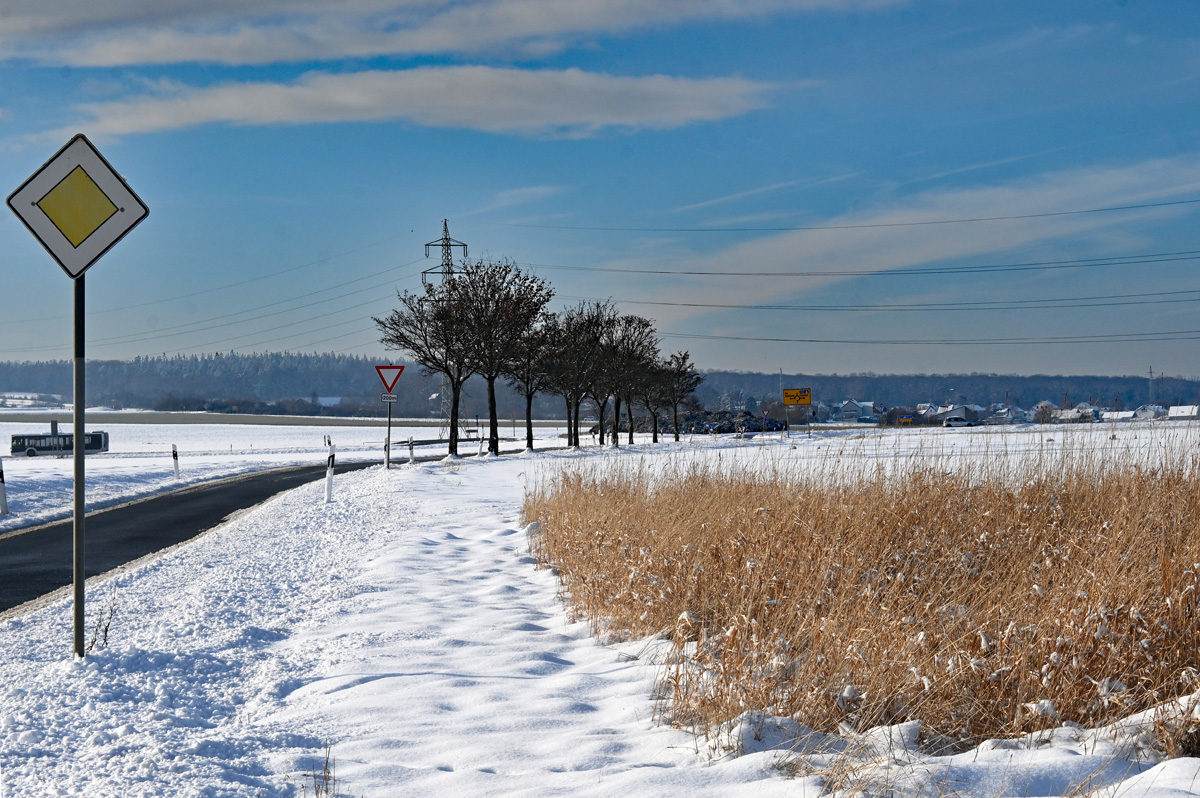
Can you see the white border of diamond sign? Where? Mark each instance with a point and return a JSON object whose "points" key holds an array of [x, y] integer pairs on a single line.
{"points": [[78, 152]]}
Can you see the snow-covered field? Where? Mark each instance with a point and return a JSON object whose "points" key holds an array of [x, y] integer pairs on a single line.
{"points": [[405, 626], [139, 463]]}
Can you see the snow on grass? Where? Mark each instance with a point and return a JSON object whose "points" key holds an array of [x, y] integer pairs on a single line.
{"points": [[406, 626]]}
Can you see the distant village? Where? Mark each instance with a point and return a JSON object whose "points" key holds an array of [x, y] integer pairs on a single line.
{"points": [[1044, 412]]}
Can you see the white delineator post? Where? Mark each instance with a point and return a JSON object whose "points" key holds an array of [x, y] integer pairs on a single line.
{"points": [[329, 476], [412, 458], [175, 460], [3, 491]]}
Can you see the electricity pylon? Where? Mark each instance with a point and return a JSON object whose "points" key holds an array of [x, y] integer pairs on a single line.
{"points": [[447, 269]]}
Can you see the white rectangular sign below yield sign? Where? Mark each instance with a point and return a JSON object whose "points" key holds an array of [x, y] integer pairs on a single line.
{"points": [[390, 398]]}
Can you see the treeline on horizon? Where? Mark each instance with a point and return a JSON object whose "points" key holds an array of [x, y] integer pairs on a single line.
{"points": [[282, 382]]}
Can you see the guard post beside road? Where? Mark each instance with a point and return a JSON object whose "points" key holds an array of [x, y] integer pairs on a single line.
{"points": [[3, 491]]}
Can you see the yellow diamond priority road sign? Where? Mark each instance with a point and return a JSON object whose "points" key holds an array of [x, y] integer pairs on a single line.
{"points": [[77, 206]]}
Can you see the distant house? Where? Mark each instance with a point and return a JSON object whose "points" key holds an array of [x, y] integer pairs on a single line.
{"points": [[1080, 413], [1118, 415], [1001, 414], [1150, 412], [1183, 412], [853, 410], [1043, 412]]}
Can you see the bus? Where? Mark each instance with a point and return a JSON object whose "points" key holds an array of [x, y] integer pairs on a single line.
{"points": [[58, 443]]}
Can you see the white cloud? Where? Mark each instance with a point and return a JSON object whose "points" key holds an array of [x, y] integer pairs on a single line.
{"points": [[565, 103], [125, 32], [518, 196], [1032, 38], [885, 248], [762, 190], [733, 197]]}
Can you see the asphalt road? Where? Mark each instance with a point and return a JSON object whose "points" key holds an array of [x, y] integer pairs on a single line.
{"points": [[39, 560]]}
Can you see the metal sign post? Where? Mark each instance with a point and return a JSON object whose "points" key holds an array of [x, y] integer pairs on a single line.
{"points": [[388, 398], [80, 403], [802, 397], [78, 207]]}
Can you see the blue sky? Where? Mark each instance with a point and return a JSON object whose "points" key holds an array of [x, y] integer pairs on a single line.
{"points": [[828, 186]]}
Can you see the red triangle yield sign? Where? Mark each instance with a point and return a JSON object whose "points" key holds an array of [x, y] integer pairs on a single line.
{"points": [[389, 375]]}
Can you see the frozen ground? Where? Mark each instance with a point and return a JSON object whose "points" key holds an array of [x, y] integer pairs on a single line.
{"points": [[405, 626]]}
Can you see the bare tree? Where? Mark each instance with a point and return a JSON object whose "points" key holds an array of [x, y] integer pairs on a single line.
{"points": [[574, 352], [631, 349], [500, 303], [432, 329], [681, 380], [651, 391], [562, 377], [531, 366]]}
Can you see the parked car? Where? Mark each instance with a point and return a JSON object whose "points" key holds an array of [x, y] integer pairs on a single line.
{"points": [[957, 422]]}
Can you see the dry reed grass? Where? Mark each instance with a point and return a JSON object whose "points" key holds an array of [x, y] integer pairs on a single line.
{"points": [[986, 599]]}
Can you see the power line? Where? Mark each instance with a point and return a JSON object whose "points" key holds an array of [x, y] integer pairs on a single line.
{"points": [[261, 342], [237, 284], [1176, 335], [166, 332], [996, 304], [862, 226], [1050, 265], [161, 331]]}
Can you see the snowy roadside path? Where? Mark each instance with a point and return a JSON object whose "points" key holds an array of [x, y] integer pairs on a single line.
{"points": [[470, 680], [403, 624]]}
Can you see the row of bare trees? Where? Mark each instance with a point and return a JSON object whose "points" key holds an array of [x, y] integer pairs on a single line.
{"points": [[489, 318]]}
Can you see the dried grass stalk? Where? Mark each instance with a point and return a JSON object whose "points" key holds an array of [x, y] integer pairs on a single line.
{"points": [[986, 600]]}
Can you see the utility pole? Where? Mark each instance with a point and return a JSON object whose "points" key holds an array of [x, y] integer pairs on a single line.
{"points": [[447, 269], [1151, 386]]}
